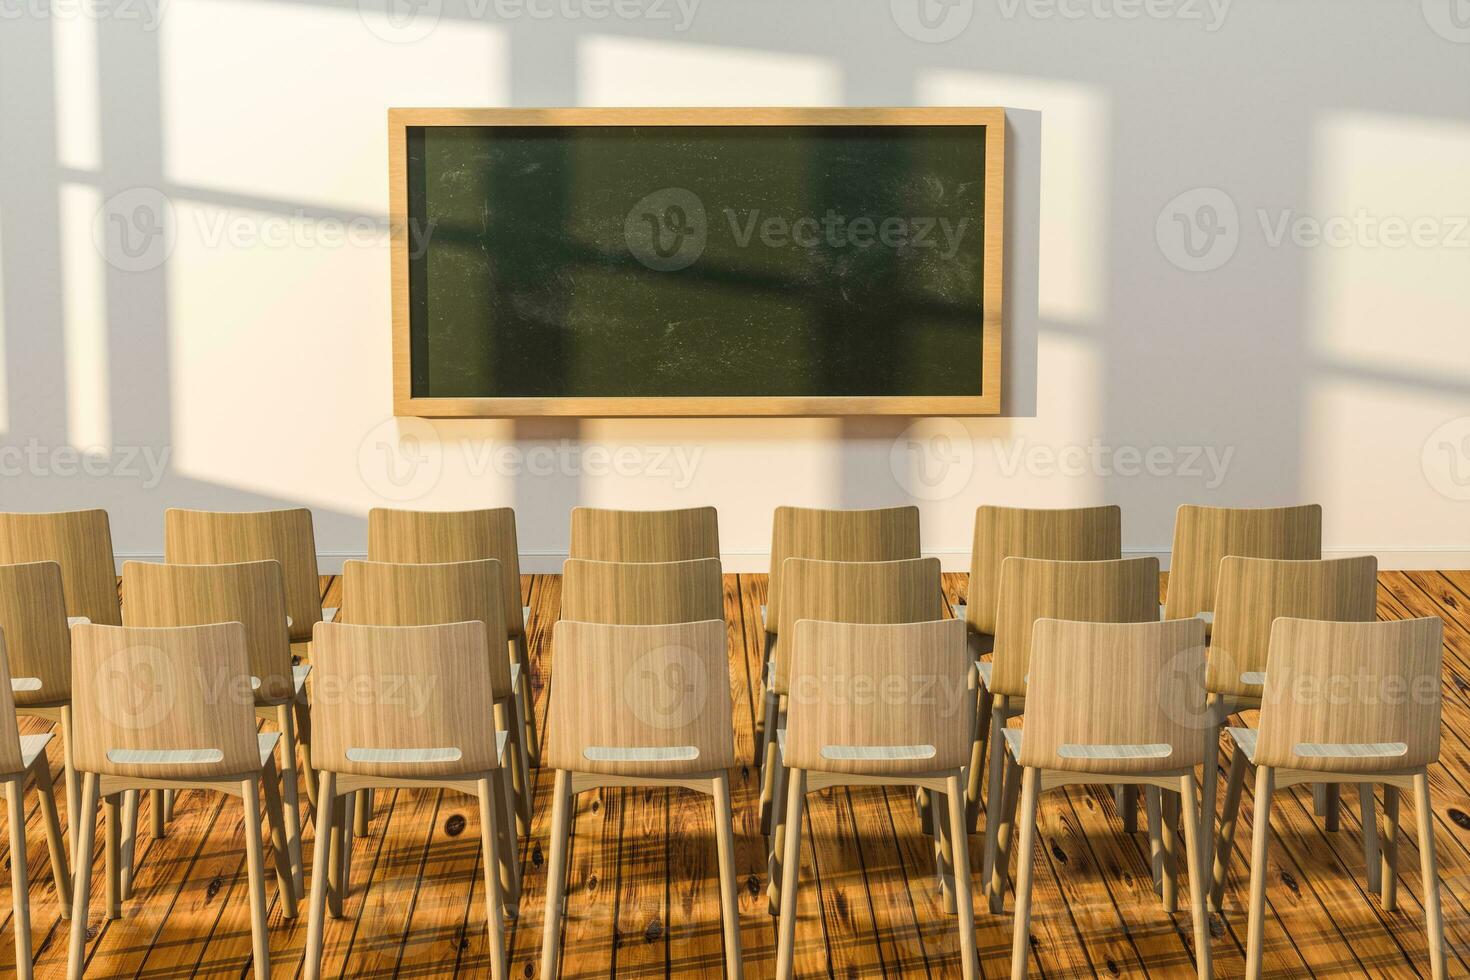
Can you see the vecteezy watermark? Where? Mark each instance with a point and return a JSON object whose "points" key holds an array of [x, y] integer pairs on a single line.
{"points": [[148, 14], [407, 21], [401, 459], [945, 696], [138, 686], [145, 464], [1446, 459], [1450, 19], [932, 21], [667, 230], [1208, 13], [933, 459], [667, 687], [411, 692], [1097, 459], [1200, 230], [134, 229]]}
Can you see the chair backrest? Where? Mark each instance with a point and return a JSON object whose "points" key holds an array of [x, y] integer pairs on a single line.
{"points": [[376, 593], [11, 761], [1073, 534], [873, 592], [250, 593], [640, 700], [200, 537], [80, 541], [879, 700], [414, 701], [161, 703], [1255, 592], [427, 537], [645, 535], [1116, 697], [37, 639], [1352, 697], [884, 534], [642, 593], [1121, 591], [1205, 535]]}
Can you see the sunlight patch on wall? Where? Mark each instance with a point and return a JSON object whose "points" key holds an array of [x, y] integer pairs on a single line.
{"points": [[261, 138], [78, 125], [1075, 155], [617, 71], [84, 320]]}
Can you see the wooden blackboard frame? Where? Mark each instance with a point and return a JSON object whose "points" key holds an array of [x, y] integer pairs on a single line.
{"points": [[986, 403]]}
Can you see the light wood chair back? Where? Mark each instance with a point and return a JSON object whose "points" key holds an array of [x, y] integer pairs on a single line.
{"points": [[1255, 592], [37, 639], [199, 537], [250, 593], [883, 534], [383, 594], [425, 537], [1352, 697], [1073, 534], [1116, 698], [642, 593], [413, 701], [872, 592], [644, 701], [164, 703], [1121, 591], [879, 700], [1205, 535], [645, 535], [80, 541], [11, 760]]}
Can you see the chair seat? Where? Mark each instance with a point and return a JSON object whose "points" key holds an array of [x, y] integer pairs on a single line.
{"points": [[515, 676], [298, 676], [984, 668], [267, 741], [1246, 739], [31, 747], [526, 614], [1013, 741], [979, 643]]}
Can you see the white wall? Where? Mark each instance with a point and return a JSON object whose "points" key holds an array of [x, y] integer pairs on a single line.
{"points": [[245, 352]]}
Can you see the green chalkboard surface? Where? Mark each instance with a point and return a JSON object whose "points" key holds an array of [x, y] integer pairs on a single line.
{"points": [[679, 261]]}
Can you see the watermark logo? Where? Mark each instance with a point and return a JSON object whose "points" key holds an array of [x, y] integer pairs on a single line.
{"points": [[1446, 459], [401, 459], [667, 230], [1208, 464], [933, 459], [138, 687], [400, 21], [1210, 13], [667, 688], [134, 230], [145, 464], [932, 21], [147, 13], [1199, 230], [1450, 19]]}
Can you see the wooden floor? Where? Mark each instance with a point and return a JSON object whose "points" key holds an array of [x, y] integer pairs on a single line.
{"points": [[643, 895]]}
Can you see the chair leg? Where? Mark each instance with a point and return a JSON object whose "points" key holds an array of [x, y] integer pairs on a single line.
{"points": [[1125, 797], [790, 873], [775, 859], [1196, 830], [170, 797], [556, 873], [1209, 786], [1170, 833], [301, 709], [362, 812], [1369, 810], [337, 825], [507, 719], [19, 875], [259, 937], [1021, 937], [770, 785], [528, 702], [281, 855], [985, 707], [353, 802], [129, 840], [1260, 839], [290, 798], [158, 815], [729, 897], [60, 873], [944, 866], [112, 861], [1390, 862], [960, 861], [994, 789], [1331, 806], [73, 778], [488, 819], [1000, 859], [84, 826], [321, 860], [1429, 871], [507, 847], [1225, 840], [1153, 808]]}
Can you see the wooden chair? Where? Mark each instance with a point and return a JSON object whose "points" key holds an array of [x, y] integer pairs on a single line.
{"points": [[1071, 534], [23, 757], [33, 621], [81, 543], [383, 594], [171, 708], [616, 720], [1253, 593], [1112, 703], [1205, 535], [252, 594], [875, 592], [1350, 702], [644, 535], [426, 537], [441, 736], [642, 593], [1122, 591], [911, 728]]}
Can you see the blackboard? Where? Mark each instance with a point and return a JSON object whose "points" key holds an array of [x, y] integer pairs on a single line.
{"points": [[608, 265]]}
